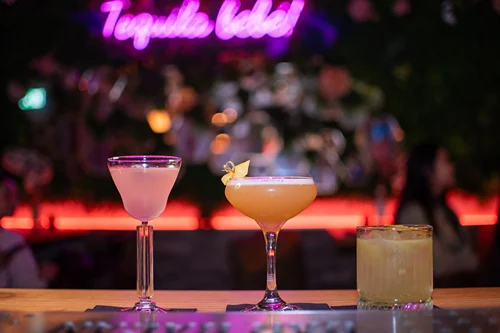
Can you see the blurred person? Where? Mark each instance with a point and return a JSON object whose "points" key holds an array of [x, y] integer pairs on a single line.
{"points": [[18, 267], [492, 267], [429, 177]]}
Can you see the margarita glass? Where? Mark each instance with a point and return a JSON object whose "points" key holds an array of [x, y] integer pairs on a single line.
{"points": [[394, 267], [271, 202], [144, 183]]}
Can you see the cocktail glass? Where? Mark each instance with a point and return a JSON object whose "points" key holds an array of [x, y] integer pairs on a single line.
{"points": [[271, 202], [144, 183], [394, 267]]}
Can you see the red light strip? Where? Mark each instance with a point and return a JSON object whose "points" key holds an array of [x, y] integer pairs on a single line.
{"points": [[225, 222], [475, 220], [299, 222], [17, 223], [352, 212], [104, 223]]}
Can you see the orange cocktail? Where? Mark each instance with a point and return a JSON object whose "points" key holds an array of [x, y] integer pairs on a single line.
{"points": [[271, 202]]}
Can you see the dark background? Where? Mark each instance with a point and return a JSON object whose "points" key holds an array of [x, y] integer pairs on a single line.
{"points": [[437, 66]]}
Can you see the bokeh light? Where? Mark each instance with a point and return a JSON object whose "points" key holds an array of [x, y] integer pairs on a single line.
{"points": [[220, 144], [219, 119], [231, 115], [159, 121]]}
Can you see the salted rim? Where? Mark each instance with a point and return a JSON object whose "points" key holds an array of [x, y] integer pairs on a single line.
{"points": [[271, 181]]}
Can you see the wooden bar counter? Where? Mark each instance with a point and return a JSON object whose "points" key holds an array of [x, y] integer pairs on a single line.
{"points": [[215, 301]]}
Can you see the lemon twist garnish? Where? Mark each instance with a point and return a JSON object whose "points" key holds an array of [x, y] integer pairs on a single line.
{"points": [[240, 170]]}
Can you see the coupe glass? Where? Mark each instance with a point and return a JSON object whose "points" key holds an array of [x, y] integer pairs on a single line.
{"points": [[144, 183], [271, 202]]}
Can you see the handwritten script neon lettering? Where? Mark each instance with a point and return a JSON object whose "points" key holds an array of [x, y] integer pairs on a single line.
{"points": [[187, 22]]}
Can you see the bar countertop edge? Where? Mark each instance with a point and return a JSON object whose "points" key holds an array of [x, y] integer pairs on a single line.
{"points": [[39, 300]]}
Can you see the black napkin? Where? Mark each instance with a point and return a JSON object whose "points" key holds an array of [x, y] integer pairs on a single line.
{"points": [[106, 308], [355, 307], [303, 306]]}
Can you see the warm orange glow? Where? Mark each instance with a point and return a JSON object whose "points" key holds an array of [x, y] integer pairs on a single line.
{"points": [[219, 119], [336, 215], [220, 144], [159, 121], [223, 137]]}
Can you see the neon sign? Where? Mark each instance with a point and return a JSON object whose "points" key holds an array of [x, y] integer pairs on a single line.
{"points": [[187, 22]]}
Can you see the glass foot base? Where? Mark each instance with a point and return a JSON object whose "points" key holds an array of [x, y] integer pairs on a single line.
{"points": [[412, 306], [275, 304], [146, 307]]}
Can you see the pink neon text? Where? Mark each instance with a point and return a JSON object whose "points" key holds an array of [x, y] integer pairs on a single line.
{"points": [[183, 22], [187, 22], [258, 22]]}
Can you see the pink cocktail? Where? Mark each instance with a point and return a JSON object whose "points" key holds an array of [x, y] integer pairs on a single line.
{"points": [[144, 183]]}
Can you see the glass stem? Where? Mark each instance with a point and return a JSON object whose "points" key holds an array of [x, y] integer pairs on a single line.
{"points": [[145, 286], [271, 287]]}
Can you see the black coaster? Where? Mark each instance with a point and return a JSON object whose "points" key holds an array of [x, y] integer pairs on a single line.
{"points": [[106, 308], [355, 307], [303, 306]]}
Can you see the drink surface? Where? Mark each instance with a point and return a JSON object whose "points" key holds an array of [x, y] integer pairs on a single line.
{"points": [[144, 191], [271, 201], [395, 268]]}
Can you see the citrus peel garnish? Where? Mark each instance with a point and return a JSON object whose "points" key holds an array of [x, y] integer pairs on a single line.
{"points": [[240, 170]]}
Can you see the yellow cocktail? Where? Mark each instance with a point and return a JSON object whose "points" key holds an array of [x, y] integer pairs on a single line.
{"points": [[394, 267], [271, 202]]}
